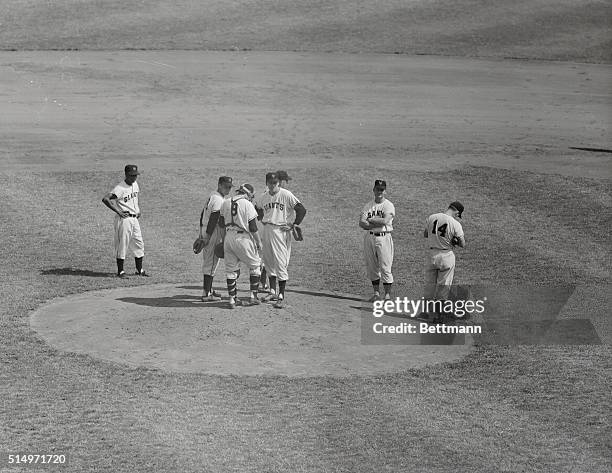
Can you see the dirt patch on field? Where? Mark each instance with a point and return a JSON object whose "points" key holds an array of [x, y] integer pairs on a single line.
{"points": [[167, 327]]}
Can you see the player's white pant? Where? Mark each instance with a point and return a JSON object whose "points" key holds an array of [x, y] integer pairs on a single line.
{"points": [[210, 262], [439, 273], [276, 251], [128, 237], [378, 255], [240, 247]]}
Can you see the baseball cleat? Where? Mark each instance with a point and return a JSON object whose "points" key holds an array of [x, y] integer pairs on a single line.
{"points": [[211, 298], [252, 301], [270, 298], [122, 275], [387, 297], [141, 273], [279, 304], [232, 303], [375, 297]]}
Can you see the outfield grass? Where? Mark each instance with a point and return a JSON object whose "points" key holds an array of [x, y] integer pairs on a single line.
{"points": [[577, 30], [72, 120], [501, 409]]}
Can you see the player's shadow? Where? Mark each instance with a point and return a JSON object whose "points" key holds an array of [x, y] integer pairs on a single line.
{"points": [[179, 300], [75, 272], [297, 291], [324, 294]]}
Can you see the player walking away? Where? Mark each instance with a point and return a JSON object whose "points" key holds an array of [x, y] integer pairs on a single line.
{"points": [[242, 242], [284, 179], [275, 208], [377, 219], [211, 236], [443, 233], [123, 200]]}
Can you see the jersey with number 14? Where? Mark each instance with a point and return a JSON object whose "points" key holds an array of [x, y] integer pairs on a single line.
{"points": [[238, 212], [277, 207], [442, 228]]}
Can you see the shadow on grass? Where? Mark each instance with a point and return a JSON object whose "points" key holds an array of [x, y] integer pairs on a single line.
{"points": [[75, 272]]}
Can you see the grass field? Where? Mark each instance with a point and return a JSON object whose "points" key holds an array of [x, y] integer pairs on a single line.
{"points": [[496, 134]]}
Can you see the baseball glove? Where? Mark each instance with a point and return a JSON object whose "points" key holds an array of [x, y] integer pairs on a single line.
{"points": [[297, 233], [198, 245], [455, 241], [219, 252]]}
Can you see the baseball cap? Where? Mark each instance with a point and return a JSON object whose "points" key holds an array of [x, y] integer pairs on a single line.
{"points": [[283, 176], [272, 176], [458, 206], [131, 169], [380, 183], [225, 180]]}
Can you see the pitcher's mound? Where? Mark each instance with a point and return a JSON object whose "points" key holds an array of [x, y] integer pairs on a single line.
{"points": [[167, 327]]}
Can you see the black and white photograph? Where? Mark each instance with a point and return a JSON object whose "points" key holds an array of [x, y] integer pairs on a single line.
{"points": [[281, 236]]}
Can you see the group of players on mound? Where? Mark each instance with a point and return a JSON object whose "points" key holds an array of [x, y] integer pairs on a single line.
{"points": [[266, 249]]}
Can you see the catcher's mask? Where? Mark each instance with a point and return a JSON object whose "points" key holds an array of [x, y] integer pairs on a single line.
{"points": [[246, 189]]}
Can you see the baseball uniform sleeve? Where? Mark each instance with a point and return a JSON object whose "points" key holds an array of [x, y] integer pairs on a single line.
{"points": [[119, 191], [457, 229], [292, 200], [389, 208], [215, 203]]}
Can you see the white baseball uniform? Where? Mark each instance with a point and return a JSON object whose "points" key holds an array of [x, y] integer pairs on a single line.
{"points": [[210, 262], [239, 245], [127, 230], [378, 242], [276, 242], [440, 260]]}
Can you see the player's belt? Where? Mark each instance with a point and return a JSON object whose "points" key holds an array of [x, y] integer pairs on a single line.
{"points": [[132, 215], [379, 233]]}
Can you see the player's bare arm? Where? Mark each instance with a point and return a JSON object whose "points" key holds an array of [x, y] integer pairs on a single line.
{"points": [[110, 200]]}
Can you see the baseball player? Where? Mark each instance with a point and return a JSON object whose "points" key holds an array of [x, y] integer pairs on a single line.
{"points": [[212, 235], [242, 242], [123, 200], [377, 220], [274, 209], [284, 179], [443, 232]]}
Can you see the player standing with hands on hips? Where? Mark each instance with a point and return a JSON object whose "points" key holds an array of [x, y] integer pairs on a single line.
{"points": [[377, 219], [275, 208], [212, 235], [123, 200], [443, 233]]}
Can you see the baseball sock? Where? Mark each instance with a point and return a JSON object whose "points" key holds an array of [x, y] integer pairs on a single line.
{"points": [[387, 287], [231, 287], [119, 265], [272, 280], [208, 280], [376, 286], [263, 275], [138, 262], [254, 280], [281, 289]]}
